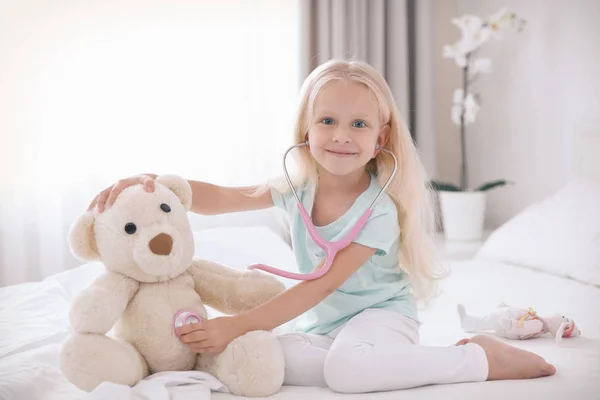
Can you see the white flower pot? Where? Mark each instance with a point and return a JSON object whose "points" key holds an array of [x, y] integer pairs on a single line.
{"points": [[463, 214]]}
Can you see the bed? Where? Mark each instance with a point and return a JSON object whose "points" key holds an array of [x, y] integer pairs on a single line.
{"points": [[547, 257], [34, 322]]}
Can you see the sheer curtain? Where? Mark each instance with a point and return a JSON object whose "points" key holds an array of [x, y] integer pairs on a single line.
{"points": [[94, 91], [375, 31], [395, 36]]}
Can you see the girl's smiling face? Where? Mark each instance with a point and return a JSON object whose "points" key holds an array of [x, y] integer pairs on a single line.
{"points": [[345, 127]]}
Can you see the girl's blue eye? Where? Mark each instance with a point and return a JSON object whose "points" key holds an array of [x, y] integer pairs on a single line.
{"points": [[327, 121], [359, 124]]}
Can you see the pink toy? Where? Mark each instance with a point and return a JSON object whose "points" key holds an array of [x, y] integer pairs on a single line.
{"points": [[517, 323], [331, 248]]}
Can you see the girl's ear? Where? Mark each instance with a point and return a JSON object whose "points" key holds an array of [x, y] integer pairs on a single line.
{"points": [[382, 139], [384, 135]]}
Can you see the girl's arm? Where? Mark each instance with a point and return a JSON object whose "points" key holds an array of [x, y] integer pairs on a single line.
{"points": [[206, 198], [214, 335], [306, 294], [210, 199]]}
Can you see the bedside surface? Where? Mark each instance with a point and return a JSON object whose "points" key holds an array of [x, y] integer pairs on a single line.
{"points": [[458, 250]]}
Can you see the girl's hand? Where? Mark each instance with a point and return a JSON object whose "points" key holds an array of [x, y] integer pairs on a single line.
{"points": [[107, 197], [211, 335]]}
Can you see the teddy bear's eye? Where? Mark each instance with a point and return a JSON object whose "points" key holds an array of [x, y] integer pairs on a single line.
{"points": [[130, 228], [165, 207]]}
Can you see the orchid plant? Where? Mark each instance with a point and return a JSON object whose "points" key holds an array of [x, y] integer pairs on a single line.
{"points": [[475, 32]]}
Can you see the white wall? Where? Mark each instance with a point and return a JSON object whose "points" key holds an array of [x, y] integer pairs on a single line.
{"points": [[543, 80]]}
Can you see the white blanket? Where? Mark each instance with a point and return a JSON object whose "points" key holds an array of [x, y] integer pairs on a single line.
{"points": [[185, 385], [33, 323]]}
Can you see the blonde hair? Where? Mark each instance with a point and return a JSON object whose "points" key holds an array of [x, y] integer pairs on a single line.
{"points": [[409, 189]]}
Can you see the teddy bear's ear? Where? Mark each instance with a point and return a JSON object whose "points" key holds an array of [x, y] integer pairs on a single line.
{"points": [[179, 186], [81, 238]]}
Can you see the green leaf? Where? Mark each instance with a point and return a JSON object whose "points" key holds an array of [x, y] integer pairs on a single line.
{"points": [[492, 184], [442, 186]]}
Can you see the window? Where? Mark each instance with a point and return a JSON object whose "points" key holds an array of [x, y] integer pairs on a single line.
{"points": [[205, 89], [95, 91]]}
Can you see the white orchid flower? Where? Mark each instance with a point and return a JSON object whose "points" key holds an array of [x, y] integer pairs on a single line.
{"points": [[481, 65], [459, 50], [500, 21], [471, 108], [468, 24], [456, 52], [473, 32], [480, 37], [456, 111], [473, 35]]}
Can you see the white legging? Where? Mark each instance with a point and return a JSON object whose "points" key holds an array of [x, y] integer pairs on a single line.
{"points": [[376, 351]]}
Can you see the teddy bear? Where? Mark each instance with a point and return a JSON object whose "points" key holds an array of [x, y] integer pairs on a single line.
{"points": [[146, 245], [518, 323]]}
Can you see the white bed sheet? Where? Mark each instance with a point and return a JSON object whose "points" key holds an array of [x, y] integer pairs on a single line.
{"points": [[33, 322]]}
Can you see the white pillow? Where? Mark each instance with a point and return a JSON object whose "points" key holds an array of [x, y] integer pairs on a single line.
{"points": [[559, 235], [272, 218]]}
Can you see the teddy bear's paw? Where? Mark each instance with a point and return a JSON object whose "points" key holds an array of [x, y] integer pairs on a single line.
{"points": [[90, 359], [252, 365], [90, 315]]}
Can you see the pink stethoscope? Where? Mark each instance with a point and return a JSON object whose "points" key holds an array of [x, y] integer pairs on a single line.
{"points": [[331, 248]]}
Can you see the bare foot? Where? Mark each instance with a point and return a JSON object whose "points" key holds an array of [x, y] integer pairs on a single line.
{"points": [[508, 362]]}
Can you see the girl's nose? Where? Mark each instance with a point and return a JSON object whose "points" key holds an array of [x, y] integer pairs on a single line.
{"points": [[341, 136]]}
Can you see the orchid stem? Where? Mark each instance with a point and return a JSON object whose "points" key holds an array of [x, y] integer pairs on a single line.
{"points": [[472, 79], [463, 151]]}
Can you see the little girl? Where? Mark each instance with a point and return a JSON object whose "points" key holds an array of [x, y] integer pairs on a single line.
{"points": [[357, 326]]}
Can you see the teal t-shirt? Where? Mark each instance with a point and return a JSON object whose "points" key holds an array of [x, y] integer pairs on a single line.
{"points": [[379, 283]]}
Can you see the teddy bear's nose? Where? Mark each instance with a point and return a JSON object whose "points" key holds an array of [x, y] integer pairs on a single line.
{"points": [[161, 244]]}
